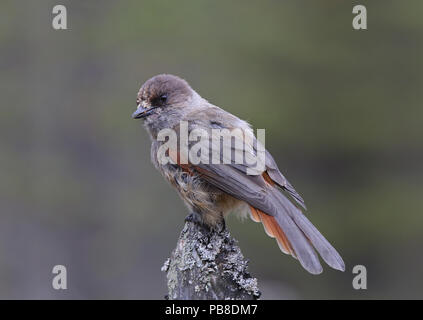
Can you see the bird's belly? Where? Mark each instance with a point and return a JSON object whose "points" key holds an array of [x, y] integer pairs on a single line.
{"points": [[200, 196]]}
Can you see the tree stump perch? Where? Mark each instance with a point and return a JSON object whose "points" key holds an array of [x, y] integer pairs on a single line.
{"points": [[208, 265]]}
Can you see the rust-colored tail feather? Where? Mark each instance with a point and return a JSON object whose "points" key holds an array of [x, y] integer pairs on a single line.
{"points": [[273, 230]]}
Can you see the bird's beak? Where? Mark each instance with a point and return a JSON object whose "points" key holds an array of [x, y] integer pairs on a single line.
{"points": [[142, 112]]}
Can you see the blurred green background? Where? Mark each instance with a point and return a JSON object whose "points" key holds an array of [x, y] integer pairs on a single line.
{"points": [[342, 111]]}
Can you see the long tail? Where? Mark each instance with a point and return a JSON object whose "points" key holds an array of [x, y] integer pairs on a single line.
{"points": [[296, 236], [273, 230]]}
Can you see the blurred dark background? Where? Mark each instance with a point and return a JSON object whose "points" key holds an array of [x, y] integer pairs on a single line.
{"points": [[342, 111]]}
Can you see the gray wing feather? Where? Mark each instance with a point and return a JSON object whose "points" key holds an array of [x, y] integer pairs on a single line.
{"points": [[298, 229], [233, 179], [278, 177]]}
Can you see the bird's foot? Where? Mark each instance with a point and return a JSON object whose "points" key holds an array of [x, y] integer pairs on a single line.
{"points": [[196, 218], [223, 223]]}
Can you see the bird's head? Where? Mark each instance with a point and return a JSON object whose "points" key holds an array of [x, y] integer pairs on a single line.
{"points": [[163, 94]]}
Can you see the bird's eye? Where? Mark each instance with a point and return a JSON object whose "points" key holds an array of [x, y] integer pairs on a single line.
{"points": [[163, 98]]}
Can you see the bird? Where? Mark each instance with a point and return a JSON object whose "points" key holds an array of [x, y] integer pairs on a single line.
{"points": [[211, 191]]}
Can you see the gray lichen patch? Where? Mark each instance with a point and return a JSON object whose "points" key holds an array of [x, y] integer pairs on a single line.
{"points": [[165, 266], [208, 264]]}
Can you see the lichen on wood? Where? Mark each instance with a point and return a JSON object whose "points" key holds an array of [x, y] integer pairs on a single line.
{"points": [[208, 264]]}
